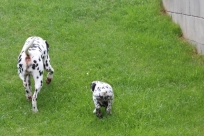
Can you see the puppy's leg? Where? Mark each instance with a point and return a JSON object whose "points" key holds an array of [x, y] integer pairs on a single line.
{"points": [[49, 69], [108, 109], [97, 108], [27, 86], [38, 85], [96, 104]]}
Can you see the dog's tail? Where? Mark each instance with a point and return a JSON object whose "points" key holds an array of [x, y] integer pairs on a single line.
{"points": [[28, 44]]}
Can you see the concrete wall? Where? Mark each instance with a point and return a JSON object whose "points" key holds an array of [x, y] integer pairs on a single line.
{"points": [[189, 14]]}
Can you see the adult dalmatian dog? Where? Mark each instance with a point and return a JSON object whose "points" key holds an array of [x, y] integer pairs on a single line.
{"points": [[103, 96], [32, 61]]}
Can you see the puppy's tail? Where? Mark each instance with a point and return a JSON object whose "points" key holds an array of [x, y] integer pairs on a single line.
{"points": [[28, 44]]}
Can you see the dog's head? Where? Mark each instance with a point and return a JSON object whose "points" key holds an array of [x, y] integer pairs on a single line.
{"points": [[102, 88]]}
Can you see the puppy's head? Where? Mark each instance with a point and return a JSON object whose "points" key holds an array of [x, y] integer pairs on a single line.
{"points": [[93, 85]]}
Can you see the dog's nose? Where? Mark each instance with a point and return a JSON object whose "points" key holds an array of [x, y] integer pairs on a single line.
{"points": [[104, 93]]}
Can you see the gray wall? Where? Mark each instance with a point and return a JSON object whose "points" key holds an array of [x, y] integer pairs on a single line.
{"points": [[189, 14]]}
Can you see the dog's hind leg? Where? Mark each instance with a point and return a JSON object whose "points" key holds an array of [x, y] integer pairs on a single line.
{"points": [[38, 86], [49, 69], [27, 86]]}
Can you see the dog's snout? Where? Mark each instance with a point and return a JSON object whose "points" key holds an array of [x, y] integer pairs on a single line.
{"points": [[104, 93]]}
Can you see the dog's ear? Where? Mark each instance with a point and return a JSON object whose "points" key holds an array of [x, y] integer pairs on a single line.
{"points": [[93, 85], [47, 45]]}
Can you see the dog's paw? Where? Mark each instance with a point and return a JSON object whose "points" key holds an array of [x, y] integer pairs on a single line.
{"points": [[29, 98], [48, 80], [35, 110], [108, 111], [94, 111], [99, 115]]}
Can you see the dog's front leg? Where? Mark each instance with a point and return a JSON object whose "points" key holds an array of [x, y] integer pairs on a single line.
{"points": [[109, 107], [97, 108]]}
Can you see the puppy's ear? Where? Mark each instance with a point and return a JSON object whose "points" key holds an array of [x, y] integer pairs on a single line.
{"points": [[93, 85], [47, 45]]}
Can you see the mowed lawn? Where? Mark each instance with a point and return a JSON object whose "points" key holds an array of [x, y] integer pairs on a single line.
{"points": [[157, 77]]}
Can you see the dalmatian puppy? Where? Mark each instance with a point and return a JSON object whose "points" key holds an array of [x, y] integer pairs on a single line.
{"points": [[102, 97], [32, 61]]}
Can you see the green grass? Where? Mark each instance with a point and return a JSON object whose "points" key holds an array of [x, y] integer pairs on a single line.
{"points": [[157, 78]]}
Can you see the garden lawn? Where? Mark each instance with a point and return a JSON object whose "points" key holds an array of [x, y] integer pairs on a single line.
{"points": [[156, 75]]}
